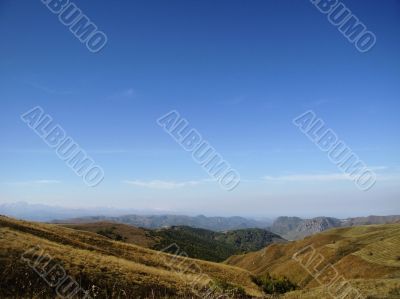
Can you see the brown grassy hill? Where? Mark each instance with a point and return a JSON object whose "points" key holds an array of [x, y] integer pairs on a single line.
{"points": [[107, 268], [368, 257], [118, 232]]}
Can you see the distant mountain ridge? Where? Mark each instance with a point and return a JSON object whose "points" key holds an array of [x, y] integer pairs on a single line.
{"points": [[295, 228], [42, 212]]}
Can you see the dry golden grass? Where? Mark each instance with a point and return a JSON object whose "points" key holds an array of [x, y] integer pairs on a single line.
{"points": [[367, 288], [109, 267], [366, 256]]}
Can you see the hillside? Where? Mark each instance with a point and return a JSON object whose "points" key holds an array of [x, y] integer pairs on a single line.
{"points": [[104, 267], [118, 232], [368, 257], [196, 242]]}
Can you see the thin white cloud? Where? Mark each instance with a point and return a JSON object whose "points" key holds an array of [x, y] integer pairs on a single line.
{"points": [[309, 177], [328, 177], [159, 184]]}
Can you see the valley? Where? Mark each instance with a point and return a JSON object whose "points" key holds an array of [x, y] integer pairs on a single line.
{"points": [[110, 260]]}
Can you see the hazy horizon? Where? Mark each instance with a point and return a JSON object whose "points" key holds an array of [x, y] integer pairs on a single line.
{"points": [[88, 211]]}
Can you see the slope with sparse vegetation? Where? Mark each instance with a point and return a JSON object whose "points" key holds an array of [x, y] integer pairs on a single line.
{"points": [[368, 257], [118, 232], [107, 268]]}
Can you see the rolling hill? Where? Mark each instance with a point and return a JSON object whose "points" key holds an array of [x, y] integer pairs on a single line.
{"points": [[104, 267], [118, 232], [196, 242], [367, 257]]}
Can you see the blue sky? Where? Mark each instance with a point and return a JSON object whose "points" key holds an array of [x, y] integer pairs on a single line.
{"points": [[238, 71]]}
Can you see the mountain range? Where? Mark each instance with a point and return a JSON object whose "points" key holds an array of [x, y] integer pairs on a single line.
{"points": [[295, 228], [42, 212], [160, 221], [289, 228]]}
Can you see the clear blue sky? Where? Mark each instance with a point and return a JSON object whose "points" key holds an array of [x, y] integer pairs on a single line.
{"points": [[239, 71]]}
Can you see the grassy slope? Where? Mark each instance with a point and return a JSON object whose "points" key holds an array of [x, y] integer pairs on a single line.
{"points": [[127, 233], [112, 267], [367, 256]]}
